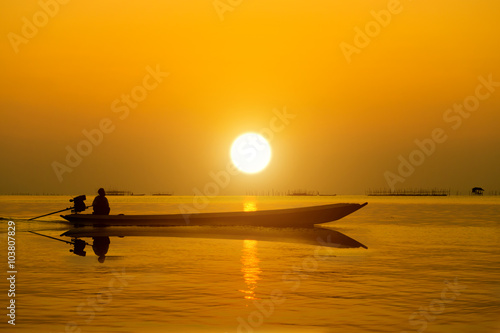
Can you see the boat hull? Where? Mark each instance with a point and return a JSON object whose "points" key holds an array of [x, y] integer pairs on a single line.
{"points": [[304, 217]]}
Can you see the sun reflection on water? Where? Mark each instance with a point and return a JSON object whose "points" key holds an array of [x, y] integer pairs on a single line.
{"points": [[250, 268], [250, 206]]}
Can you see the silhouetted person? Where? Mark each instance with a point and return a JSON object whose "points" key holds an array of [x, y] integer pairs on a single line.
{"points": [[101, 204], [100, 247]]}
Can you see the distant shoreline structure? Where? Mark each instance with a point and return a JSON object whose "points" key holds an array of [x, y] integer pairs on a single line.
{"points": [[130, 193], [410, 192], [289, 193], [370, 192], [302, 193], [118, 193]]}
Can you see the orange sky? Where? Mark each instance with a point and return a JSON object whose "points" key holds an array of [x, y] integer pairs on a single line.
{"points": [[355, 114]]}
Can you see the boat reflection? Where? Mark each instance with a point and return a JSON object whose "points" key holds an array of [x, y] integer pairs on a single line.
{"points": [[100, 243], [250, 268], [100, 246], [314, 236]]}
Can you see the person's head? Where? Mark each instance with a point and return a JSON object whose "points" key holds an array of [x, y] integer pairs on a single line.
{"points": [[101, 192]]}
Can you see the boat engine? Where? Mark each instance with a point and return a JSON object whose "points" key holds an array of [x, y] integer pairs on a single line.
{"points": [[79, 203]]}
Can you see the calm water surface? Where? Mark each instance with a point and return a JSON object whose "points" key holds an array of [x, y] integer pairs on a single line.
{"points": [[432, 265]]}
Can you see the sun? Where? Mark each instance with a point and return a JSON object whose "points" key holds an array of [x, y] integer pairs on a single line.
{"points": [[250, 153]]}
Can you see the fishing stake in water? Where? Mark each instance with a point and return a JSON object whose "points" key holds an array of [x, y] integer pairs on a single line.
{"points": [[79, 206]]}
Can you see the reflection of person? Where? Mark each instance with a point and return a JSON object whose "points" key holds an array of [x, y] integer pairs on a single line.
{"points": [[100, 247], [101, 204]]}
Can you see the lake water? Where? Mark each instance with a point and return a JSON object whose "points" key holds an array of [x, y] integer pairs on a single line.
{"points": [[432, 265]]}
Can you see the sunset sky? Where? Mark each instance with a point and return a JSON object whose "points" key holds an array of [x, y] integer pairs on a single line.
{"points": [[356, 83]]}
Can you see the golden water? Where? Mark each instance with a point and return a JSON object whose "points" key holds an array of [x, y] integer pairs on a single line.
{"points": [[432, 265]]}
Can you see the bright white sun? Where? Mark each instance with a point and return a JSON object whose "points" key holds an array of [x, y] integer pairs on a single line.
{"points": [[250, 153]]}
